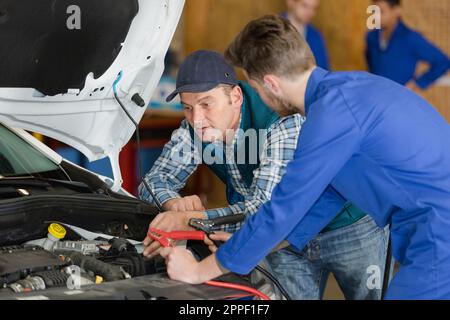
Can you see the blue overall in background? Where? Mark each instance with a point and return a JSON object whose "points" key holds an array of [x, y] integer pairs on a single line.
{"points": [[317, 43], [383, 148], [398, 60]]}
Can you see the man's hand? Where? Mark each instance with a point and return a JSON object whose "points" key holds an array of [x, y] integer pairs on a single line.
{"points": [[217, 236], [168, 222], [191, 203], [182, 266]]}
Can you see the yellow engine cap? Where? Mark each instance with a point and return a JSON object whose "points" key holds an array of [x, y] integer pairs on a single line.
{"points": [[98, 280], [57, 230]]}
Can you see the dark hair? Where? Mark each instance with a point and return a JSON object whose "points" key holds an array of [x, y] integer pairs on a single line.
{"points": [[270, 45], [391, 3]]}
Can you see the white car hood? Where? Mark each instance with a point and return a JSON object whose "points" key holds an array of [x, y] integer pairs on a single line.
{"points": [[86, 117]]}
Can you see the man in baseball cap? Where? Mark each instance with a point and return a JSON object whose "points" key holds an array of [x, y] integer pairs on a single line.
{"points": [[248, 146], [203, 71]]}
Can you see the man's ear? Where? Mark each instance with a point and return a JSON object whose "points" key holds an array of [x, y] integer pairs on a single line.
{"points": [[237, 96], [272, 83]]}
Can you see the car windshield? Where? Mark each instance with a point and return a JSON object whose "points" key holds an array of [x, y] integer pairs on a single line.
{"points": [[18, 158]]}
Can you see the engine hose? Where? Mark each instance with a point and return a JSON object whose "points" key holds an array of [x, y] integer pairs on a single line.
{"points": [[106, 271], [53, 278]]}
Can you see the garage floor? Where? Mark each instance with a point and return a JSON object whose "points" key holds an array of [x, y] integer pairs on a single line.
{"points": [[332, 291]]}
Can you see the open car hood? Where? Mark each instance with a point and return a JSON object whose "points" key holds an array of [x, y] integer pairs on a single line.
{"points": [[60, 59]]}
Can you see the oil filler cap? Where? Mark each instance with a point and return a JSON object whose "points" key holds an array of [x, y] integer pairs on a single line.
{"points": [[57, 230]]}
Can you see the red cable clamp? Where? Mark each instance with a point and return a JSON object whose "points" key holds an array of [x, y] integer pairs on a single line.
{"points": [[167, 239]]}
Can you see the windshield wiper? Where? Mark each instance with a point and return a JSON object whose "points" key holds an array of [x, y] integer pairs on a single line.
{"points": [[44, 182]]}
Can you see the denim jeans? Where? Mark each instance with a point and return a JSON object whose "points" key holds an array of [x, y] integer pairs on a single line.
{"points": [[355, 255]]}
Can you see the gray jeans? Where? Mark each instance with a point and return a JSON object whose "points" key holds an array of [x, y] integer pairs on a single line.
{"points": [[355, 254]]}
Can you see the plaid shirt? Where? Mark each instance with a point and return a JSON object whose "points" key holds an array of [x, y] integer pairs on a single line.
{"points": [[180, 159]]}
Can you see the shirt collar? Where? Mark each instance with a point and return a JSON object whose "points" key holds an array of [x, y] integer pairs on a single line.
{"points": [[313, 83]]}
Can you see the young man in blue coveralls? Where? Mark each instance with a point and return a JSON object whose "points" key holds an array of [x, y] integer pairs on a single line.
{"points": [[394, 51], [376, 142]]}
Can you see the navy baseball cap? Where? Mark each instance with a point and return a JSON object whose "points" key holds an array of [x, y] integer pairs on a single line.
{"points": [[203, 71]]}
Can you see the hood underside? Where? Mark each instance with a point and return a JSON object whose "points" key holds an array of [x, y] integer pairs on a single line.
{"points": [[49, 56], [60, 59]]}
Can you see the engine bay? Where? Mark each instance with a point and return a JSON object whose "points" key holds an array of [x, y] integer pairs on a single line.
{"points": [[95, 252], [87, 265], [72, 262]]}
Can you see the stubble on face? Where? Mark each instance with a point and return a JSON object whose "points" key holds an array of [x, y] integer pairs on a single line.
{"points": [[280, 105]]}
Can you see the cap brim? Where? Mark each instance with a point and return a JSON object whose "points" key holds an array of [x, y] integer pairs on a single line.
{"points": [[195, 88]]}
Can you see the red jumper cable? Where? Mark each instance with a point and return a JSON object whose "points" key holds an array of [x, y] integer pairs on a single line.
{"points": [[166, 239]]}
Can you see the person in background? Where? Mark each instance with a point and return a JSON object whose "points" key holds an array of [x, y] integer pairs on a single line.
{"points": [[301, 13], [395, 50]]}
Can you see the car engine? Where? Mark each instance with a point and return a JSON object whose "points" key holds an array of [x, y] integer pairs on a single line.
{"points": [[36, 265]]}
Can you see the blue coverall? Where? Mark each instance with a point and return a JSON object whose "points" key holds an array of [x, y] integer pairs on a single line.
{"points": [[399, 60], [380, 146]]}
